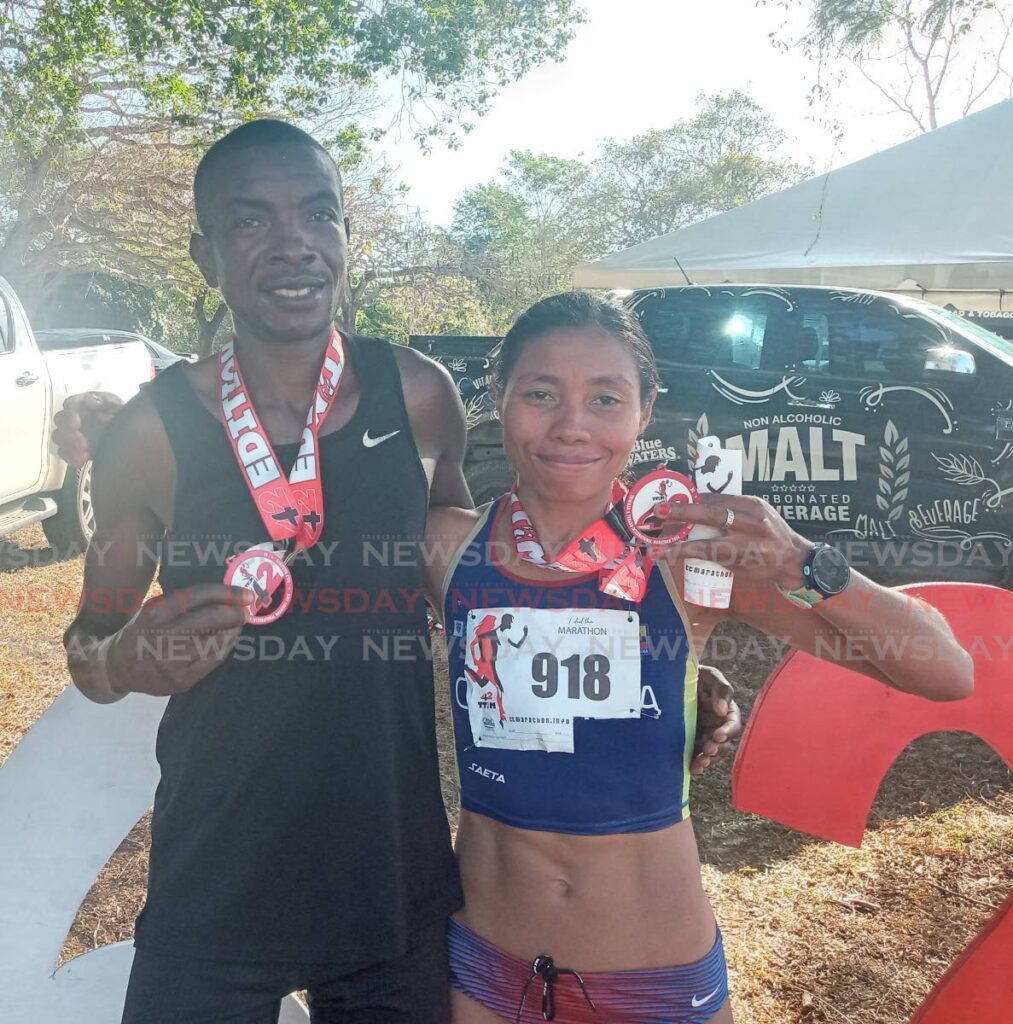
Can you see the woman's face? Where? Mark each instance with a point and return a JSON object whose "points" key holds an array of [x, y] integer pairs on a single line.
{"points": [[571, 412]]}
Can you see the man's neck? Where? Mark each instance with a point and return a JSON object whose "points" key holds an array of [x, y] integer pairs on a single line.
{"points": [[283, 373]]}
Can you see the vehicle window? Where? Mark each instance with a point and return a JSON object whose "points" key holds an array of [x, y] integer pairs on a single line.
{"points": [[721, 329], [890, 346], [864, 337], [49, 341], [810, 333]]}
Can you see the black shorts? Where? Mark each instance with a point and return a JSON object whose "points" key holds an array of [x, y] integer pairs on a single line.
{"points": [[414, 989]]}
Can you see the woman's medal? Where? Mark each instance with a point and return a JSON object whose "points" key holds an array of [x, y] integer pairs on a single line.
{"points": [[604, 546], [662, 486]]}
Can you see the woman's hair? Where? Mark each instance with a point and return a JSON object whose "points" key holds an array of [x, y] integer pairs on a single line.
{"points": [[580, 310]]}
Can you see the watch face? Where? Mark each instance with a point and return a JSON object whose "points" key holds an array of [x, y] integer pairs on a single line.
{"points": [[830, 570]]}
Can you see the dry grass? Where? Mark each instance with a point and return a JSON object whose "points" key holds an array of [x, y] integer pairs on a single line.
{"points": [[814, 931]]}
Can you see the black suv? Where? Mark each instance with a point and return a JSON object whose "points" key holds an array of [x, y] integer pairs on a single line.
{"points": [[881, 424]]}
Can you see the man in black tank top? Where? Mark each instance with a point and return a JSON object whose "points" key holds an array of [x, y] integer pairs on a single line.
{"points": [[299, 839]]}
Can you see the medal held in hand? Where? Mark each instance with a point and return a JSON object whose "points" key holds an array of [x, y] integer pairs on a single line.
{"points": [[292, 510], [263, 572], [662, 486]]}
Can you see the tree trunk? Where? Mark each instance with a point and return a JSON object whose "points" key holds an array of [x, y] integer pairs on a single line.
{"points": [[207, 326], [33, 287], [354, 299]]}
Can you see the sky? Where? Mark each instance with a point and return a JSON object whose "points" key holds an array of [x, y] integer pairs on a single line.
{"points": [[639, 65]]}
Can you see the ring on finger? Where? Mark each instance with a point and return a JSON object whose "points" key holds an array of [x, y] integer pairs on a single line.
{"points": [[729, 519]]}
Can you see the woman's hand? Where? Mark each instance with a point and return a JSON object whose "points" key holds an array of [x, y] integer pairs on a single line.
{"points": [[755, 542]]}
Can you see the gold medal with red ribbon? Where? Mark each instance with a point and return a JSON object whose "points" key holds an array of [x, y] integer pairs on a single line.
{"points": [[603, 547], [292, 509]]}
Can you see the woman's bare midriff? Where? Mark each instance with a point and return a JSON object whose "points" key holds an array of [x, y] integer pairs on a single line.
{"points": [[594, 903]]}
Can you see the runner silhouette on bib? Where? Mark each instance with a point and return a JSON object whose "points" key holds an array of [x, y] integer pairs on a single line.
{"points": [[484, 649]]}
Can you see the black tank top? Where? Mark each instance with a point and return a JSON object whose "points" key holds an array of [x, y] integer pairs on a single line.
{"points": [[299, 815]]}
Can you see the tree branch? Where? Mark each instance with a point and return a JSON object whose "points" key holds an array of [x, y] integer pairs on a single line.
{"points": [[889, 97]]}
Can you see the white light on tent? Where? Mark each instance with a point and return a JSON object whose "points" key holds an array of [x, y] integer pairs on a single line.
{"points": [[737, 326]]}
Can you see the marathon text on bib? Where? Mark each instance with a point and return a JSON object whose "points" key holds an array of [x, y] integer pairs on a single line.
{"points": [[531, 672]]}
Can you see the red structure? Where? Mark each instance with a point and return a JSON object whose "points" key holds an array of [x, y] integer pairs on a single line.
{"points": [[821, 737], [978, 985]]}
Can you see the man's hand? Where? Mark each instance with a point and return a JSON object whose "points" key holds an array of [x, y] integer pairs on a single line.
{"points": [[79, 425], [175, 640], [718, 720]]}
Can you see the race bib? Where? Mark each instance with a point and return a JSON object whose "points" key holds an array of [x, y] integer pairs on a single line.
{"points": [[529, 673]]}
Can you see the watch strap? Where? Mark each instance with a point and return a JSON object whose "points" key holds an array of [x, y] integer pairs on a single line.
{"points": [[803, 597]]}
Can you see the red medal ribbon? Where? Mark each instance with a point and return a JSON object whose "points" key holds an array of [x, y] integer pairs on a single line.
{"points": [[622, 567], [292, 510]]}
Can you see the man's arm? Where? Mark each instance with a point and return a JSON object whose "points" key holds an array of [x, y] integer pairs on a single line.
{"points": [[112, 644], [120, 564], [437, 417]]}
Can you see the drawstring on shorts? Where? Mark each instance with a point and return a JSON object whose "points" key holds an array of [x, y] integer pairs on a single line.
{"points": [[544, 967]]}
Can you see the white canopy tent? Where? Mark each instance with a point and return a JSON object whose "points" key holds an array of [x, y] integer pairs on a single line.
{"points": [[931, 217]]}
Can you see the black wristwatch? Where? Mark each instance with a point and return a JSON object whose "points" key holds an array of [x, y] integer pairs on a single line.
{"points": [[825, 573]]}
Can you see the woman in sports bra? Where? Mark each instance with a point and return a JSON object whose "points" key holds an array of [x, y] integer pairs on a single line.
{"points": [[573, 667]]}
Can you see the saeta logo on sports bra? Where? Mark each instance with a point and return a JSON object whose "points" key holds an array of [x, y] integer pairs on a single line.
{"points": [[486, 773]]}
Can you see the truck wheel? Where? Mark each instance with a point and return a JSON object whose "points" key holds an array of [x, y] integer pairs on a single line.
{"points": [[71, 528], [488, 480]]}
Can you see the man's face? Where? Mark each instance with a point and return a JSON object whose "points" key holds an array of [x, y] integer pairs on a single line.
{"points": [[277, 242]]}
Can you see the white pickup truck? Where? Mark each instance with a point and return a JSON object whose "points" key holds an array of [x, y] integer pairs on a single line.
{"points": [[35, 485]]}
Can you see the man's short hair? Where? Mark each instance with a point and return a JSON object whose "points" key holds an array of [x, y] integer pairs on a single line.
{"points": [[264, 131]]}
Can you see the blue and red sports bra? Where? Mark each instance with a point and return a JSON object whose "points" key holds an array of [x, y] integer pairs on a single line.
{"points": [[574, 711]]}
